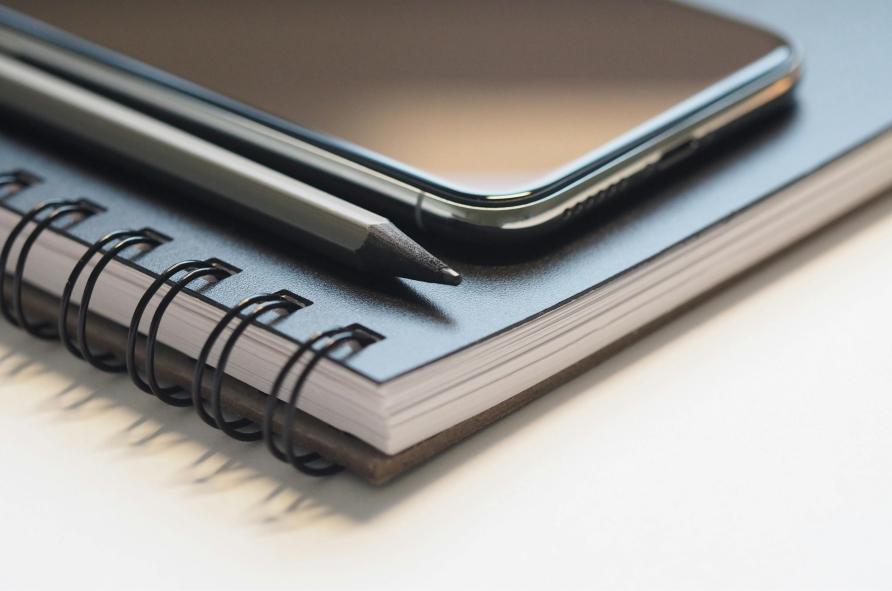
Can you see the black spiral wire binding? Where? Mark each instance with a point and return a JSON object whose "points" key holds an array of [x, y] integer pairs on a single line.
{"points": [[124, 240], [113, 245], [55, 210], [172, 395], [67, 291], [238, 428], [241, 429], [244, 429], [308, 462]]}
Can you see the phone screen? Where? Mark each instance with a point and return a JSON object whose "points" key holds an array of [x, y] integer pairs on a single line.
{"points": [[483, 95]]}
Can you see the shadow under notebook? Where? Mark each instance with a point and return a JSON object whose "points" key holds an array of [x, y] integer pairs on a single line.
{"points": [[205, 463]]}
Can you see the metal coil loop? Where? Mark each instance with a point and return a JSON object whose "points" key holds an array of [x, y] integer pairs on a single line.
{"points": [[235, 428], [101, 361], [13, 312], [194, 270], [309, 462], [67, 291], [212, 410]]}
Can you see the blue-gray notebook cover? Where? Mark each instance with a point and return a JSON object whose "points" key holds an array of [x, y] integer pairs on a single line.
{"points": [[823, 157]]}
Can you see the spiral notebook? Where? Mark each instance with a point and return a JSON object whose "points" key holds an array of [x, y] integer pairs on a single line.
{"points": [[329, 369]]}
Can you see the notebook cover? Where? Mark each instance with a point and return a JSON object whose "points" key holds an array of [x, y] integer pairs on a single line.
{"points": [[842, 103]]}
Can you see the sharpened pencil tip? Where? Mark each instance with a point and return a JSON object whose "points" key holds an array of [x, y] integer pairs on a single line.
{"points": [[450, 276], [387, 250]]}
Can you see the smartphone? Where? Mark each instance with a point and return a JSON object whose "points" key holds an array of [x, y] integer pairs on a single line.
{"points": [[478, 119]]}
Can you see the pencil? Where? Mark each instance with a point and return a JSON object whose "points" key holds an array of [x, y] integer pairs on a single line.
{"points": [[299, 212]]}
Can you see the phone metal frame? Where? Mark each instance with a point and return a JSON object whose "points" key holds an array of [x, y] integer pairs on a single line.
{"points": [[413, 196]]}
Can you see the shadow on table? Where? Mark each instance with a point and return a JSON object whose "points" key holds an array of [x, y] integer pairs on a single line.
{"points": [[219, 464]]}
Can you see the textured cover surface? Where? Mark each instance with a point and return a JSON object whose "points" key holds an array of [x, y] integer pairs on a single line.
{"points": [[843, 101]]}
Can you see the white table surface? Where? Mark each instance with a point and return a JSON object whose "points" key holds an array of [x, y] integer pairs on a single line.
{"points": [[746, 445]]}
